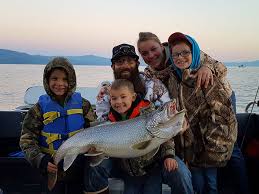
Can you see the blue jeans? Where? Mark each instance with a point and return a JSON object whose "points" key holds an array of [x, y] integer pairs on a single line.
{"points": [[97, 179], [179, 180], [151, 183], [204, 180], [148, 183]]}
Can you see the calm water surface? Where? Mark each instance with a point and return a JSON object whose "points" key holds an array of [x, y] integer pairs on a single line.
{"points": [[15, 79]]}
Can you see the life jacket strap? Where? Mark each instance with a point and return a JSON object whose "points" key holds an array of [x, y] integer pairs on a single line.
{"points": [[51, 137], [49, 117], [74, 111]]}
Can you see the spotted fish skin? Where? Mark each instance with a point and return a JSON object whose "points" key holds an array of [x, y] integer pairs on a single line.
{"points": [[126, 139]]}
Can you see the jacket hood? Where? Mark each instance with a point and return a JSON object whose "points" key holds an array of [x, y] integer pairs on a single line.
{"points": [[60, 62]]}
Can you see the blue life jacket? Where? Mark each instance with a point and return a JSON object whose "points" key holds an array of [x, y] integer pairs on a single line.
{"points": [[60, 122]]}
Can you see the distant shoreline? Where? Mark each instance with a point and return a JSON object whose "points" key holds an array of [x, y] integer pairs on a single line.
{"points": [[142, 65], [14, 57]]}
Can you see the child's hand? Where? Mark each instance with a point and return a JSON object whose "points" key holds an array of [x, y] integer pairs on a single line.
{"points": [[52, 168], [170, 164], [103, 91], [204, 77]]}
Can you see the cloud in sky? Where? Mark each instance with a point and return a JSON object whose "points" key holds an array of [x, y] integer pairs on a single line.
{"points": [[227, 30]]}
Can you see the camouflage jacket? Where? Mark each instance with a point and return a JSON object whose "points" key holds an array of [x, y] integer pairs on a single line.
{"points": [[211, 117], [218, 69]]}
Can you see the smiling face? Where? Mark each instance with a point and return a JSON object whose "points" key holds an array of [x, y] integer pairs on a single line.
{"points": [[124, 67], [58, 83], [153, 54], [182, 55], [122, 99]]}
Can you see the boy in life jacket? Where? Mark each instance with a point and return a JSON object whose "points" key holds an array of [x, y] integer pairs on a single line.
{"points": [[57, 115], [141, 174]]}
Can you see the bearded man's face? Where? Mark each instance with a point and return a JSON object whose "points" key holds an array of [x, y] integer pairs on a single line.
{"points": [[125, 67]]}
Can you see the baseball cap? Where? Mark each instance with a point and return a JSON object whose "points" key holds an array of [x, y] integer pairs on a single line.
{"points": [[123, 50]]}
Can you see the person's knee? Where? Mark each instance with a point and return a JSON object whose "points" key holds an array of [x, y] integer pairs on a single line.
{"points": [[182, 169], [96, 180]]}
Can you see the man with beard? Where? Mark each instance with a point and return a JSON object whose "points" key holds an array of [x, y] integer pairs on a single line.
{"points": [[125, 66]]}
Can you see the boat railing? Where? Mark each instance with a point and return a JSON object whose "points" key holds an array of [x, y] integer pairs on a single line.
{"points": [[251, 104]]}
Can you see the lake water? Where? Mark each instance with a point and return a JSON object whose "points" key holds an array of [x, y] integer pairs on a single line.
{"points": [[15, 79]]}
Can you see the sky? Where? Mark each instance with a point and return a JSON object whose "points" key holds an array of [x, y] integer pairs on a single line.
{"points": [[227, 30]]}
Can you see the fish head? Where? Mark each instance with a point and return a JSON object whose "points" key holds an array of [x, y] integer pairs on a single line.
{"points": [[166, 120], [168, 110], [164, 113]]}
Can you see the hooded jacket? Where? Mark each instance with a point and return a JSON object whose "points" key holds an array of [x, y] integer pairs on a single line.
{"points": [[209, 112], [167, 76], [33, 122]]}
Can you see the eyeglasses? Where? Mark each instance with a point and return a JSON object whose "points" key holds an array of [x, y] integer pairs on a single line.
{"points": [[183, 53]]}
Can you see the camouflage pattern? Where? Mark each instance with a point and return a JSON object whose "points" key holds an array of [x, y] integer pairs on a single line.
{"points": [[183, 141], [33, 121], [211, 117]]}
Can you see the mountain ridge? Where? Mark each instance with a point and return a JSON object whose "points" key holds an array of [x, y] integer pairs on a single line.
{"points": [[16, 57]]}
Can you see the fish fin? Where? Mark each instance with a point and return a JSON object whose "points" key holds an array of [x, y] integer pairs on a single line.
{"points": [[52, 179], [141, 145], [96, 160], [93, 154], [68, 160]]}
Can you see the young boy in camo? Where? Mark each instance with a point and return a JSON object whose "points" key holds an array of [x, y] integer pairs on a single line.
{"points": [[57, 115]]}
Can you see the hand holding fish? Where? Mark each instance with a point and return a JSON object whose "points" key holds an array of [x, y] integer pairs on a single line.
{"points": [[52, 168]]}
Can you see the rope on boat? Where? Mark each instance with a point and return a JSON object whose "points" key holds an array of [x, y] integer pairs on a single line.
{"points": [[249, 116]]}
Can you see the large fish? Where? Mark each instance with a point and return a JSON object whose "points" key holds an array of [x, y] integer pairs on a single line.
{"points": [[126, 139]]}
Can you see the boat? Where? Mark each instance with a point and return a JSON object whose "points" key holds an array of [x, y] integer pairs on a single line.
{"points": [[18, 177], [241, 66]]}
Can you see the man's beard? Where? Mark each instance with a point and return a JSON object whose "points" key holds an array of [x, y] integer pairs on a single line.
{"points": [[133, 76], [128, 74]]}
